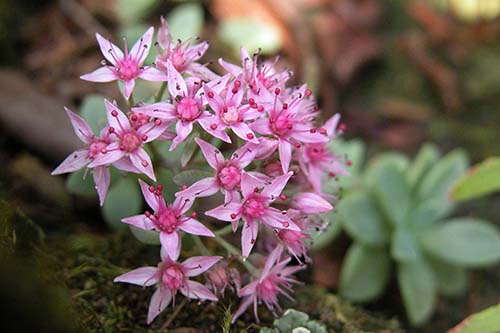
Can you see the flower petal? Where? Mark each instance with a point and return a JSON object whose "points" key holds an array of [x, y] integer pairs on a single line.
{"points": [[82, 129], [154, 201], [102, 178], [176, 84], [182, 130], [274, 189], [194, 227], [140, 50], [274, 218], [249, 184], [144, 276], [171, 243], [243, 131], [199, 264], [75, 161], [164, 37], [311, 203], [202, 188], [196, 290], [110, 51], [159, 301], [213, 155], [228, 212], [139, 221], [112, 155], [128, 88], [116, 118], [162, 110], [150, 73], [102, 74], [285, 152], [141, 160], [248, 237], [219, 132]]}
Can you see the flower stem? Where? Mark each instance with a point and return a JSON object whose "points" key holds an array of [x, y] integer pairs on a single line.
{"points": [[131, 101], [234, 251], [224, 231], [203, 249], [159, 95], [176, 312]]}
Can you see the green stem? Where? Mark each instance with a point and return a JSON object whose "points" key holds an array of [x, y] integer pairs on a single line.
{"points": [[159, 95], [131, 101], [203, 249], [224, 231], [176, 312], [234, 251]]}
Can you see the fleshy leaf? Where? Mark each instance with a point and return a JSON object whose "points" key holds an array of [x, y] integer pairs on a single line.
{"points": [[185, 21], [418, 289], [426, 214], [361, 219], [466, 242], [365, 273], [404, 245], [188, 177], [482, 179], [354, 150], [76, 183], [397, 160], [130, 11], [150, 237], [165, 177], [123, 200], [425, 159], [325, 237], [451, 280], [94, 113], [486, 321]]}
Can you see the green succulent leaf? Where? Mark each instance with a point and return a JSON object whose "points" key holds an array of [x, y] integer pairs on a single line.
{"points": [[188, 151], [426, 214], [438, 181], [324, 237], [166, 178], [486, 321], [466, 242], [185, 21], [392, 192], [404, 245], [451, 280], [482, 179], [130, 11], [149, 237], [361, 219], [188, 177], [290, 320], [81, 184], [94, 113], [365, 273], [123, 200], [418, 289], [427, 156], [382, 161]]}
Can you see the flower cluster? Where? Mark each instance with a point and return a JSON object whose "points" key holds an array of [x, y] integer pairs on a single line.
{"points": [[270, 177]]}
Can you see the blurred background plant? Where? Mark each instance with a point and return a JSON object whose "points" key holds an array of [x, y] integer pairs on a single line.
{"points": [[400, 72]]}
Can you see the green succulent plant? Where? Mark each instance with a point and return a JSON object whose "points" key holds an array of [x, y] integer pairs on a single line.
{"points": [[397, 217], [294, 321]]}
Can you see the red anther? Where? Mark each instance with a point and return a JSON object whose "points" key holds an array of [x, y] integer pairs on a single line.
{"points": [[254, 106], [234, 90], [342, 127], [194, 215], [250, 136], [145, 163], [348, 162], [315, 108], [331, 174], [224, 110], [144, 137], [308, 92], [114, 113], [322, 131], [158, 122], [256, 190], [312, 130], [260, 108], [122, 147], [104, 150], [133, 117], [237, 83], [147, 214], [297, 145], [251, 101], [285, 106], [151, 188], [285, 224], [282, 196], [183, 187], [210, 94], [289, 126], [159, 187], [252, 241], [277, 91], [233, 216], [213, 126], [111, 130]]}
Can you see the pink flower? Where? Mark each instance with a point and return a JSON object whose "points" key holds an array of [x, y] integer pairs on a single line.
{"points": [[168, 219], [273, 280], [182, 56], [290, 122], [310, 203], [82, 157], [227, 176], [230, 113], [221, 277], [169, 277], [187, 107], [316, 159], [129, 142], [125, 67], [254, 207]]}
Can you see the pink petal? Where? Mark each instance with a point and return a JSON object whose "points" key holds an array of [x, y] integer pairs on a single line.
{"points": [[102, 178], [311, 203], [80, 126], [182, 204], [191, 226], [231, 68], [219, 132], [140, 159], [140, 50], [144, 276], [225, 212], [152, 74], [109, 50], [102, 74], [213, 155], [75, 161], [176, 84], [171, 243], [201, 71], [274, 189], [119, 122], [154, 201], [196, 290], [124, 164], [197, 265], [274, 218], [128, 87], [196, 51], [331, 125], [248, 237], [162, 110], [242, 308], [243, 131], [261, 126], [112, 155], [216, 102], [152, 130], [139, 221], [272, 259], [202, 188], [308, 137], [182, 130], [249, 184], [159, 301], [285, 152], [164, 37], [244, 156]]}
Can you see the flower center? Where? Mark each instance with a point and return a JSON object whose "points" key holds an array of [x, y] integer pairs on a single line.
{"points": [[173, 277], [188, 109], [130, 142], [167, 221], [266, 81], [139, 119], [128, 69], [96, 147], [230, 115], [178, 59], [281, 125], [229, 177], [268, 290], [317, 152], [253, 207]]}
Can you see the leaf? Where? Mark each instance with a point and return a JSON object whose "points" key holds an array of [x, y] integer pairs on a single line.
{"points": [[361, 220], [149, 237], [441, 177], [404, 245], [290, 320], [80, 183], [397, 160], [425, 159], [188, 151], [131, 11], [365, 273], [392, 193], [166, 178], [466, 242], [94, 113], [418, 289], [482, 179], [354, 150], [123, 200], [486, 321], [251, 33], [324, 237], [451, 280], [189, 177], [185, 21], [426, 214]]}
